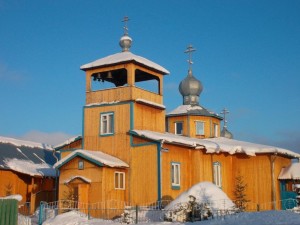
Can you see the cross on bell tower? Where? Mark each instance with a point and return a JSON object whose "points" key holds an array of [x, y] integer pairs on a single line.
{"points": [[125, 20]]}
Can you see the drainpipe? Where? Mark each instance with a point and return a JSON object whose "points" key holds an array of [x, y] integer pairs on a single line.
{"points": [[159, 184], [56, 177], [273, 188]]}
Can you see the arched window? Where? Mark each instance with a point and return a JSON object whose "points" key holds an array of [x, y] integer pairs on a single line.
{"points": [[217, 174]]}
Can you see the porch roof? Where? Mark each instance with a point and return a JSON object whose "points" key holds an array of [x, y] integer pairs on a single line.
{"points": [[86, 180], [292, 172], [97, 157]]}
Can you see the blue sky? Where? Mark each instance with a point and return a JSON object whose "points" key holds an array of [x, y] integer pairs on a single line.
{"points": [[247, 58]]}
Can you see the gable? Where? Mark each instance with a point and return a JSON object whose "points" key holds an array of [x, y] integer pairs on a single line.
{"points": [[96, 157]]}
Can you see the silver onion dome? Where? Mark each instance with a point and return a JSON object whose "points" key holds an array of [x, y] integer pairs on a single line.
{"points": [[226, 133], [125, 43], [190, 89]]}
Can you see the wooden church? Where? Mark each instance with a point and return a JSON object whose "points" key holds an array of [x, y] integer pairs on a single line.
{"points": [[132, 151]]}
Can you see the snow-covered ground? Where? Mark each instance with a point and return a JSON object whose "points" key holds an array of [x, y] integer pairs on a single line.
{"points": [[255, 218]]}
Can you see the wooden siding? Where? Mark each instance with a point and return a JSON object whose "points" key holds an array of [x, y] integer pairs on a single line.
{"points": [[18, 182], [149, 118], [101, 187], [197, 166], [143, 175], [28, 187], [117, 144], [74, 145], [125, 93], [189, 125]]}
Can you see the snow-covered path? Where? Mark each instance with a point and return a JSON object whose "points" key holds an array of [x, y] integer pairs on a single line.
{"points": [[255, 218]]}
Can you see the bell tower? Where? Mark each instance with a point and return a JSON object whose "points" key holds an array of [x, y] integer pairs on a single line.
{"points": [[124, 92]]}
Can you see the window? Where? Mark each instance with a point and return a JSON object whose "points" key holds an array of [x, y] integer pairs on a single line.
{"points": [[199, 128], [178, 128], [216, 130], [80, 164], [175, 175], [217, 174], [107, 123], [120, 180]]}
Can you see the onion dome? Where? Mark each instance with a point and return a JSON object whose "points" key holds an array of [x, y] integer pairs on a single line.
{"points": [[226, 133], [125, 43], [190, 89]]}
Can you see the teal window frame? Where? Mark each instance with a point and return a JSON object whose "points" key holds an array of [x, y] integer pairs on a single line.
{"points": [[175, 175], [109, 124], [217, 174]]}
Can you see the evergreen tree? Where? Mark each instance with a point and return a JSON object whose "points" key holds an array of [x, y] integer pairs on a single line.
{"points": [[240, 193]]}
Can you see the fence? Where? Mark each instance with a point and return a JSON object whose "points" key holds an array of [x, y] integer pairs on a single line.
{"points": [[9, 211], [123, 212]]}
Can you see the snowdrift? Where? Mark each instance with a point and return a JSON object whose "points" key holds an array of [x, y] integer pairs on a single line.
{"points": [[204, 192]]}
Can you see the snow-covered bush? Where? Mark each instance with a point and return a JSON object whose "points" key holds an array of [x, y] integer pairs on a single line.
{"points": [[201, 201], [127, 216]]}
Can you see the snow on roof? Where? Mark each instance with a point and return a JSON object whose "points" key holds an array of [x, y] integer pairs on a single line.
{"points": [[215, 145], [191, 110], [94, 156], [204, 192], [69, 141], [20, 143], [102, 103], [30, 168], [150, 103], [124, 57], [87, 180], [292, 172]]}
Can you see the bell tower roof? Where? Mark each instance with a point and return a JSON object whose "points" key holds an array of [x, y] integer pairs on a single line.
{"points": [[125, 56]]}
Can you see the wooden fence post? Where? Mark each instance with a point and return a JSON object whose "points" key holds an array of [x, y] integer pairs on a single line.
{"points": [[136, 214]]}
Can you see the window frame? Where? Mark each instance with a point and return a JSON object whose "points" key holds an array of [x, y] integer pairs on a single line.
{"points": [[104, 117], [203, 128], [117, 180], [175, 175], [216, 130], [175, 128], [80, 164], [217, 174]]}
